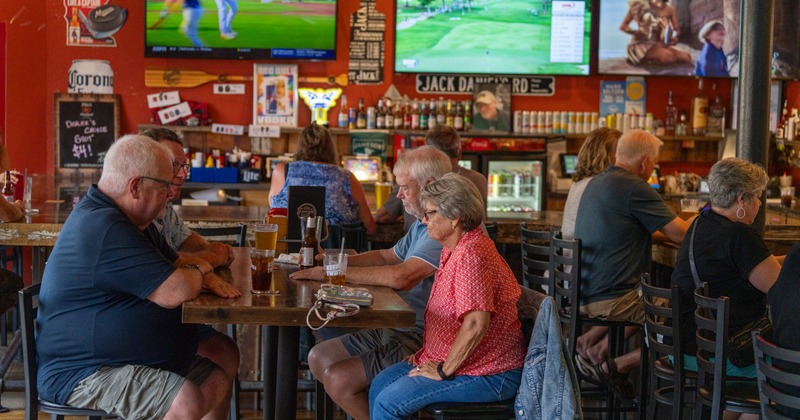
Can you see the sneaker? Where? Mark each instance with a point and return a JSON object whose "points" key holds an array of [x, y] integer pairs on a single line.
{"points": [[228, 35]]}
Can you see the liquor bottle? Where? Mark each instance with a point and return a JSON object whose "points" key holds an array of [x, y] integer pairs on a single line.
{"points": [[450, 118], [361, 116], [467, 116], [716, 117], [308, 249], [343, 118], [415, 115], [406, 116], [423, 116], [699, 111], [8, 188], [670, 116], [398, 116], [458, 121], [441, 115], [681, 128], [380, 115], [433, 113]]}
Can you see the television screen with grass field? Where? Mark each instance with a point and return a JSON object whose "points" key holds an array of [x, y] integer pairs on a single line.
{"points": [[514, 37], [241, 29]]}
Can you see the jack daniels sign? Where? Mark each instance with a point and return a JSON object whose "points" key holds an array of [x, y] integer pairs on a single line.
{"points": [[459, 84]]}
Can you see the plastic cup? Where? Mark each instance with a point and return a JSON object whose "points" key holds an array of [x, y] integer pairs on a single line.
{"points": [[266, 235], [335, 264], [261, 271], [689, 207], [787, 195]]}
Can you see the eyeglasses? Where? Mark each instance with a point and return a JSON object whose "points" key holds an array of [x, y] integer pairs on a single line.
{"points": [[428, 214], [165, 185], [176, 167]]}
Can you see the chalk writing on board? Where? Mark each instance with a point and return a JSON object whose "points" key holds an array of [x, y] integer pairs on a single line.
{"points": [[87, 126]]}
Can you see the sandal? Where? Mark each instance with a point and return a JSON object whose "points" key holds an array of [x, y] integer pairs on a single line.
{"points": [[618, 382], [587, 369]]}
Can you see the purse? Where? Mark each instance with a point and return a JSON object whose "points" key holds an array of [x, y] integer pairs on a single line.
{"points": [[740, 343], [340, 301]]}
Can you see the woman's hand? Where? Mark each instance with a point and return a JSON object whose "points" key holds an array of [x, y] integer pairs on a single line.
{"points": [[427, 369]]}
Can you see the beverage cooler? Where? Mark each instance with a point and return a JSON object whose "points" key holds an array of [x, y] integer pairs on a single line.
{"points": [[516, 182]]}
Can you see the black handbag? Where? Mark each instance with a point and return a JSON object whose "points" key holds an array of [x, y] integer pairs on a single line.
{"points": [[740, 343]]}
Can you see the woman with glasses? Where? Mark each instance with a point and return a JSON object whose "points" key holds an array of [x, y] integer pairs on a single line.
{"points": [[473, 346], [316, 164]]}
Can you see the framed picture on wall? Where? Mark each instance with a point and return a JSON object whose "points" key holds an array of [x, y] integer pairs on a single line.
{"points": [[275, 94]]}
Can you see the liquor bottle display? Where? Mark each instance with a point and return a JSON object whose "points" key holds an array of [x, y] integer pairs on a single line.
{"points": [[699, 118], [308, 249]]}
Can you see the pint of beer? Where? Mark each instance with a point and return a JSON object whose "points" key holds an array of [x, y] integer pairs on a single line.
{"points": [[382, 192], [266, 235]]}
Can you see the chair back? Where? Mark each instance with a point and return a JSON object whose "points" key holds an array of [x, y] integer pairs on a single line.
{"points": [[778, 401], [565, 280], [535, 257], [354, 235], [662, 326], [224, 234], [711, 317]]}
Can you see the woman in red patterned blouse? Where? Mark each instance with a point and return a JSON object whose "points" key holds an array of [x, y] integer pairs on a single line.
{"points": [[473, 348]]}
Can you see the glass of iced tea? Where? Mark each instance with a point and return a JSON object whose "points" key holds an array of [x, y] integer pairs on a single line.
{"points": [[261, 271], [335, 263], [266, 235]]}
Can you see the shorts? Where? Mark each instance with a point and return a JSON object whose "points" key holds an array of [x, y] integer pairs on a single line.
{"points": [[379, 349], [134, 391], [628, 307]]}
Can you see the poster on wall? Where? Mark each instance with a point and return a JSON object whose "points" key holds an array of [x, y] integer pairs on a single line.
{"points": [[275, 95], [91, 23], [86, 126], [367, 47]]}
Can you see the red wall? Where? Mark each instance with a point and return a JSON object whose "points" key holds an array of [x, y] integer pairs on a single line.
{"points": [[38, 60]]}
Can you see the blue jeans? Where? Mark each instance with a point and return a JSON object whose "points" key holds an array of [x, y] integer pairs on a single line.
{"points": [[395, 395]]}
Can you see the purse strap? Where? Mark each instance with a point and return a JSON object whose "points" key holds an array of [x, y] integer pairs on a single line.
{"points": [[692, 264]]}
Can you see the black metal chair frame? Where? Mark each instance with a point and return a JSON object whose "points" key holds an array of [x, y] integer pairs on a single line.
{"points": [[535, 247], [28, 307], [238, 232], [766, 353], [355, 236], [713, 387], [661, 327]]}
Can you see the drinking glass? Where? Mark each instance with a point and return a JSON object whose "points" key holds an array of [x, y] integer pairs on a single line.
{"points": [[335, 263], [266, 235], [261, 271], [787, 195]]}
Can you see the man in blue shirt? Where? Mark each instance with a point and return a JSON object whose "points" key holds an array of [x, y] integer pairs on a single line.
{"points": [[346, 365], [110, 332]]}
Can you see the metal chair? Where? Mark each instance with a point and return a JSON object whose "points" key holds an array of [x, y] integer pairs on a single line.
{"points": [[565, 283], [713, 387], [224, 234], [662, 326], [354, 235], [778, 401], [535, 246], [28, 307]]}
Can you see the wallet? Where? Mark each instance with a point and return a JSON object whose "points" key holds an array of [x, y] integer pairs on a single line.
{"points": [[344, 294]]}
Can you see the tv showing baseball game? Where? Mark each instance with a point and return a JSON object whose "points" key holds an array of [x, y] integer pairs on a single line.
{"points": [[688, 38], [241, 29], [513, 37]]}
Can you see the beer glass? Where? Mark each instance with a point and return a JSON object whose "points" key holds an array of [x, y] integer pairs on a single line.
{"points": [[335, 263], [266, 235], [689, 207], [787, 195], [382, 192], [261, 271]]}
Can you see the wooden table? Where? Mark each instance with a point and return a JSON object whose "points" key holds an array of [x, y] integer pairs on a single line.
{"points": [[281, 317]]}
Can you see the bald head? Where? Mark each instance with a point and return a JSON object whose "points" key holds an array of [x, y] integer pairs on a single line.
{"points": [[635, 145]]}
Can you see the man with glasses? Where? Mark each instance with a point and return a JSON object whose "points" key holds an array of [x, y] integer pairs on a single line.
{"points": [[346, 365], [178, 235], [110, 334]]}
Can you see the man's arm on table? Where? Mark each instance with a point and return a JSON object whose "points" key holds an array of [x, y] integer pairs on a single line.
{"points": [[378, 268], [676, 229], [216, 253], [182, 285]]}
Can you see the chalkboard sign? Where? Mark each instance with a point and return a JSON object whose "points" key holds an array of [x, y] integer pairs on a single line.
{"points": [[86, 126]]}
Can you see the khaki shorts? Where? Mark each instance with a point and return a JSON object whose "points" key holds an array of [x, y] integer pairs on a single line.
{"points": [[379, 349], [628, 307], [136, 392]]}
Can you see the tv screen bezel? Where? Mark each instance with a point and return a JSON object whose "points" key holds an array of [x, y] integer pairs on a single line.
{"points": [[244, 53]]}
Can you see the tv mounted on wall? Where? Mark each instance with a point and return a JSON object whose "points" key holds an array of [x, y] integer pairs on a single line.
{"points": [[260, 29], [662, 37], [493, 37]]}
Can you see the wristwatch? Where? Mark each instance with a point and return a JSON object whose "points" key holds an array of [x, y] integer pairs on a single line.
{"points": [[196, 267], [441, 372]]}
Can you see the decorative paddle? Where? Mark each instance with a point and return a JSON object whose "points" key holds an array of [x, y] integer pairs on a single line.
{"points": [[178, 78], [340, 80]]}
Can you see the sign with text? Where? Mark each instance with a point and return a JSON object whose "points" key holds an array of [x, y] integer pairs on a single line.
{"points": [[367, 48], [86, 126], [455, 84]]}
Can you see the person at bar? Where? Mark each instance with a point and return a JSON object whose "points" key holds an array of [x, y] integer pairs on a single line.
{"points": [[316, 164], [446, 139], [110, 332], [9, 211], [782, 298], [346, 365], [729, 255], [473, 346], [617, 216], [169, 223]]}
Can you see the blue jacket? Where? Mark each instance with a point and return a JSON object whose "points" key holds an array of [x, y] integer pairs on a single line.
{"points": [[549, 387]]}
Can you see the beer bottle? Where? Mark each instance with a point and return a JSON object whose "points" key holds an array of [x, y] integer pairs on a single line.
{"points": [[458, 120], [423, 116], [398, 116], [432, 113], [8, 189], [308, 249], [467, 116], [380, 116], [361, 116], [343, 118], [451, 114], [440, 116], [671, 117], [406, 116], [415, 115]]}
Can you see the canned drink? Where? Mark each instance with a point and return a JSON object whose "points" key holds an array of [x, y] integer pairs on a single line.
{"points": [[90, 76], [517, 185], [540, 121], [525, 190], [494, 184], [371, 117], [517, 121], [526, 121]]}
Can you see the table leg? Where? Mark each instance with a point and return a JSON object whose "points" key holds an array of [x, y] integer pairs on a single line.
{"points": [[39, 259], [286, 393], [269, 364]]}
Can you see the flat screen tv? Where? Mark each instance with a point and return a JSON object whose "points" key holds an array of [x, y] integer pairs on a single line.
{"points": [[511, 37], [687, 38], [260, 29]]}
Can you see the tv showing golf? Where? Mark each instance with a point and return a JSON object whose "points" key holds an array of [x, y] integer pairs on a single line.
{"points": [[512, 37], [243, 29]]}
